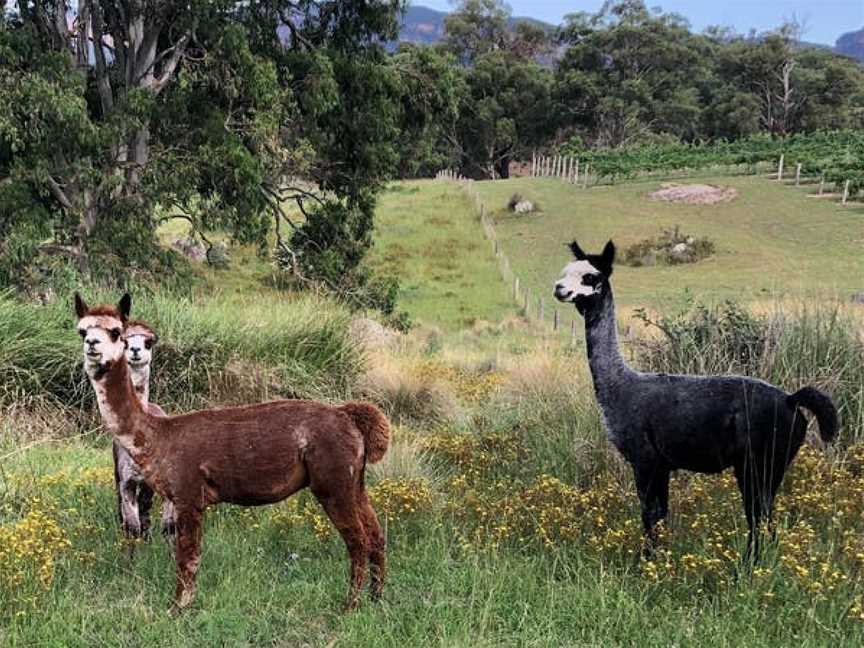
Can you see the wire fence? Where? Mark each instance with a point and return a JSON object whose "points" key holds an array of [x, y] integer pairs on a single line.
{"points": [[536, 308]]}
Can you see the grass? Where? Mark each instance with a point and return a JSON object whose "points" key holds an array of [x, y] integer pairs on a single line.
{"points": [[427, 235], [773, 242], [510, 519]]}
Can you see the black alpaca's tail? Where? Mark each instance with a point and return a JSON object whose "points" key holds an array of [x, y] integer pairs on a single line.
{"points": [[821, 405]]}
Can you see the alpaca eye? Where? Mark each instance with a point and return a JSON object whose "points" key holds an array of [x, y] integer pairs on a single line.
{"points": [[590, 280], [82, 333], [115, 334], [148, 344]]}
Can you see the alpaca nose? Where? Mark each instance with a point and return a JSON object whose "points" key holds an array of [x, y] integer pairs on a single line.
{"points": [[561, 292], [92, 343]]}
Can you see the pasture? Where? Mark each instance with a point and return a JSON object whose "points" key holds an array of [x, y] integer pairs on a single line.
{"points": [[510, 519]]}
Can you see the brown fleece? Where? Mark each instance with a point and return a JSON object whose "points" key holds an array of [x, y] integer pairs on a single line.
{"points": [[374, 427], [252, 455]]}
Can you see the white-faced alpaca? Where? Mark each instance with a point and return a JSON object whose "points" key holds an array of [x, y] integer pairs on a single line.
{"points": [[252, 455], [706, 424], [134, 496]]}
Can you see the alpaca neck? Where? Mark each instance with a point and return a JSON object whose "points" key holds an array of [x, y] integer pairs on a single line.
{"points": [[121, 408], [141, 383], [608, 368]]}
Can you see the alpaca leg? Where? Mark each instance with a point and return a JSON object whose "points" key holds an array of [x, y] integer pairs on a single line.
{"points": [[169, 526], [187, 556], [652, 484], [128, 496], [342, 510], [144, 498], [377, 544], [748, 483]]}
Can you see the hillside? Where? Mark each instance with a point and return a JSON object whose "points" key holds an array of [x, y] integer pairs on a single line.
{"points": [[424, 25], [851, 44]]}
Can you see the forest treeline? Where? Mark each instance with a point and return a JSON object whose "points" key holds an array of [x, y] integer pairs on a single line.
{"points": [[261, 118]]}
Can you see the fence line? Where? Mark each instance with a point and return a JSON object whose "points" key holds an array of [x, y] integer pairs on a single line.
{"points": [[567, 168], [533, 306]]}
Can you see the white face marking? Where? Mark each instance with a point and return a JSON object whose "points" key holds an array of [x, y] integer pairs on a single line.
{"points": [[571, 285], [102, 340], [139, 351]]}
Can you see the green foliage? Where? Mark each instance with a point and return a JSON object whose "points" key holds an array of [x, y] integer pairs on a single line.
{"points": [[835, 155], [208, 352], [662, 249], [819, 346]]}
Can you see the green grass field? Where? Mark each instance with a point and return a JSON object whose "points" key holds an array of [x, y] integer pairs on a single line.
{"points": [[773, 242], [510, 519]]}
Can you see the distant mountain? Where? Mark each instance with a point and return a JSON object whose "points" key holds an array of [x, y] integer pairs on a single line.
{"points": [[424, 25], [851, 44]]}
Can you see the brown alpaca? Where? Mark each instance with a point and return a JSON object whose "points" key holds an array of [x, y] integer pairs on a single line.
{"points": [[252, 455]]}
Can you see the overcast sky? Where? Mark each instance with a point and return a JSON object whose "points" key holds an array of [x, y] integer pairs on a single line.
{"points": [[826, 20]]}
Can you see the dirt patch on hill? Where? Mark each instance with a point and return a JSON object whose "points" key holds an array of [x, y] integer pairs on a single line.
{"points": [[694, 194]]}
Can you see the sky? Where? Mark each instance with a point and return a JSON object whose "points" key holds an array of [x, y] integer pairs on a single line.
{"points": [[825, 20]]}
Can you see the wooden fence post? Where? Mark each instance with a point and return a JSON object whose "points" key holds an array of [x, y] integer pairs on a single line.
{"points": [[846, 192], [822, 186], [515, 288], [798, 175], [555, 320], [533, 163], [576, 178], [780, 168], [585, 175]]}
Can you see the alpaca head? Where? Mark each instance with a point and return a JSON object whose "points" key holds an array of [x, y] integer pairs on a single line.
{"points": [[140, 341], [102, 332], [585, 281]]}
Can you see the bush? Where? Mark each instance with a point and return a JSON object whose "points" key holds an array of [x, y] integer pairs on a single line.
{"points": [[205, 350], [670, 247], [821, 347]]}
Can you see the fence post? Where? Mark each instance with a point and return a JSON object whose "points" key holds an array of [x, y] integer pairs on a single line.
{"points": [[555, 320], [515, 288], [497, 251], [533, 163], [576, 179], [585, 176], [780, 168], [798, 175], [822, 186], [527, 312], [573, 331], [846, 192]]}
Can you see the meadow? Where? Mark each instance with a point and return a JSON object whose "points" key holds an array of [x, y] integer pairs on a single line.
{"points": [[510, 519]]}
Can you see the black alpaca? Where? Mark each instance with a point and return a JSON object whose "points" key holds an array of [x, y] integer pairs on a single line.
{"points": [[662, 422]]}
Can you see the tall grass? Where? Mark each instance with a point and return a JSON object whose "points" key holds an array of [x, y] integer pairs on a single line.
{"points": [[212, 352], [791, 348]]}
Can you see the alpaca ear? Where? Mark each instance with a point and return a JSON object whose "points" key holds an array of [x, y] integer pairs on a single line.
{"points": [[577, 251], [125, 306], [80, 306], [607, 258]]}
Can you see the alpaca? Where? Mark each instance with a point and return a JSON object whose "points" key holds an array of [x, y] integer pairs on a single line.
{"points": [[134, 496], [250, 455], [705, 424]]}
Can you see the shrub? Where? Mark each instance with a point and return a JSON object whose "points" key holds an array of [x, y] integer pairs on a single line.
{"points": [[670, 247], [821, 347], [300, 348]]}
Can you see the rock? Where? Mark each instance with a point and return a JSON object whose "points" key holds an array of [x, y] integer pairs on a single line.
{"points": [[524, 207], [858, 298], [681, 248], [191, 248]]}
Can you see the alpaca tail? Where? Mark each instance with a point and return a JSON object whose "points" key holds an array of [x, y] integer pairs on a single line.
{"points": [[820, 404], [374, 427]]}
